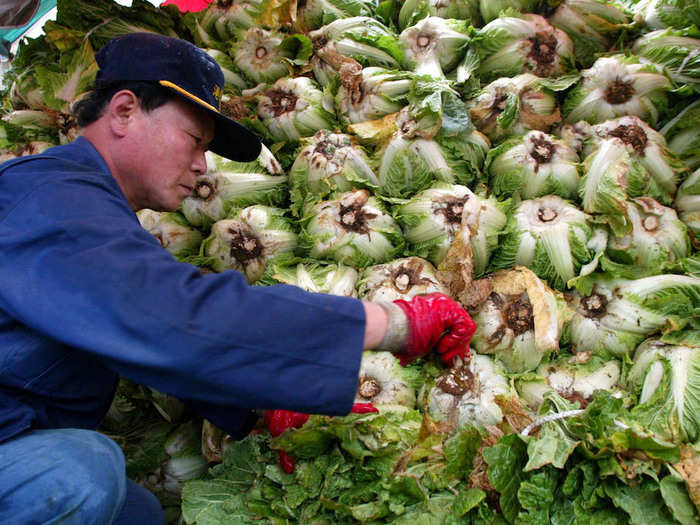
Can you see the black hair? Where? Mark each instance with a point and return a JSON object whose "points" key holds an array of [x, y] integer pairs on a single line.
{"points": [[92, 105]]}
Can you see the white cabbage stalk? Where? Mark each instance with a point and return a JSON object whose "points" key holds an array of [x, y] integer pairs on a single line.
{"points": [[430, 221], [184, 462], [593, 25], [624, 159], [688, 203], [312, 14], [354, 229], [667, 379], [313, 276], [466, 394], [491, 9], [229, 184], [616, 86], [231, 76], [30, 125], [293, 108], [534, 165], [383, 381], [514, 106], [413, 10], [659, 14], [617, 315], [258, 55], [361, 38], [512, 45], [550, 236], [573, 378], [434, 46], [407, 163], [32, 119], [648, 148], [682, 133], [222, 18], [402, 278], [248, 241], [678, 51], [657, 236], [328, 162], [520, 322], [371, 94], [172, 231], [25, 91]]}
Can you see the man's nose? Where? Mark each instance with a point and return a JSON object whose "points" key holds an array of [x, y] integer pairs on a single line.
{"points": [[199, 165]]}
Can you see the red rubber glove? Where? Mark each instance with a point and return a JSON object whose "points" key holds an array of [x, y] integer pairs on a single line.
{"points": [[363, 408], [277, 421], [435, 320]]}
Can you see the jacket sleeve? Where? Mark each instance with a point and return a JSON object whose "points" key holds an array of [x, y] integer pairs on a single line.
{"points": [[83, 271]]}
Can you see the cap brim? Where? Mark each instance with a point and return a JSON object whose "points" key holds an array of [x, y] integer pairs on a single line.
{"points": [[231, 139]]}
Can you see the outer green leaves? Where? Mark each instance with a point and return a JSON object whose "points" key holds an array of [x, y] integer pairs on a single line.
{"points": [[383, 381], [432, 217], [354, 229], [549, 236], [293, 108], [329, 162], [676, 50], [614, 315], [625, 158], [667, 378], [514, 106], [510, 45], [434, 46], [172, 231], [247, 241], [533, 165], [401, 278], [593, 25], [688, 203], [228, 185], [312, 276], [466, 395], [615, 86]]}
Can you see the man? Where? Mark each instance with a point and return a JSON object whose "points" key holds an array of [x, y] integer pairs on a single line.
{"points": [[87, 295]]}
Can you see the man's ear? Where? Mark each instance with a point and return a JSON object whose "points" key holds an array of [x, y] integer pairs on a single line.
{"points": [[122, 111]]}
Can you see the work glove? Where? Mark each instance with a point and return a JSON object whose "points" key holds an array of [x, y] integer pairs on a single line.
{"points": [[432, 321], [277, 421]]}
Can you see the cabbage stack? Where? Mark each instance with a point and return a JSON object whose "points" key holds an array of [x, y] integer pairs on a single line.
{"points": [[539, 162]]}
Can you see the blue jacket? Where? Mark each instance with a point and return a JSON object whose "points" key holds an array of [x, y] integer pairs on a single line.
{"points": [[86, 295]]}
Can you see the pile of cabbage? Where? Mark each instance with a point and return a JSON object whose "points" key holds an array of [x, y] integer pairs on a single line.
{"points": [[539, 162]]}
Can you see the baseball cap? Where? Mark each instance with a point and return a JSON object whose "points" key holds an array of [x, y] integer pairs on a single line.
{"points": [[187, 71]]}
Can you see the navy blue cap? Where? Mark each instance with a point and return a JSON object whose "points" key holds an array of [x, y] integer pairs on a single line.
{"points": [[184, 69]]}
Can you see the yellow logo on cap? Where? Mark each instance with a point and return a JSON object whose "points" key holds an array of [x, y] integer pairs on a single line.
{"points": [[217, 93]]}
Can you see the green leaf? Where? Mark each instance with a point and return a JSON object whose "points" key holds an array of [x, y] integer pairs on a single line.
{"points": [[506, 461], [643, 502], [675, 494]]}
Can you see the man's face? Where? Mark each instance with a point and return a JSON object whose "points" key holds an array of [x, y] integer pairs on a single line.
{"points": [[167, 154]]}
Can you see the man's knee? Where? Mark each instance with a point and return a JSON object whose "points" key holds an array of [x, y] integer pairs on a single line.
{"points": [[75, 476], [99, 483]]}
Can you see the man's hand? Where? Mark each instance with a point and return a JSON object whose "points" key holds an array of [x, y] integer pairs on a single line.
{"points": [[436, 321], [277, 421]]}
